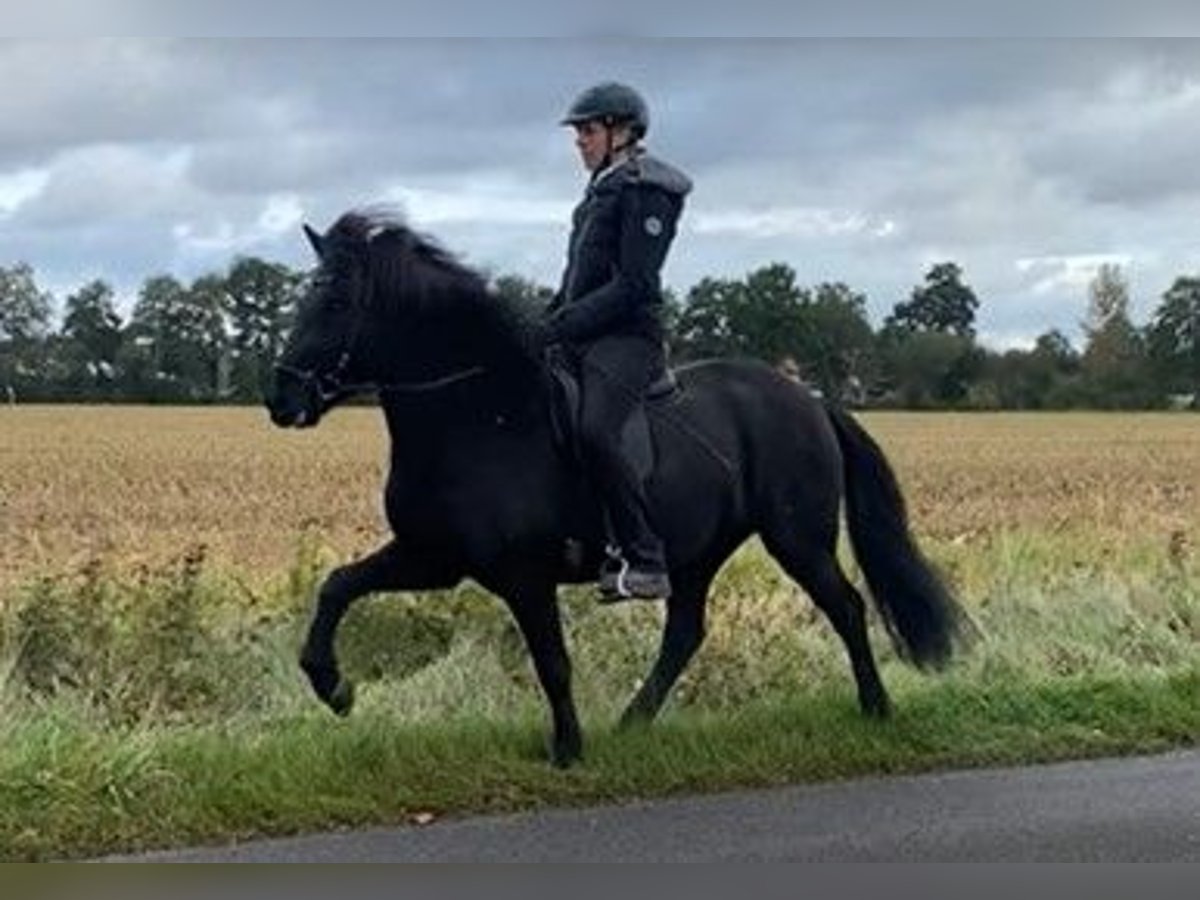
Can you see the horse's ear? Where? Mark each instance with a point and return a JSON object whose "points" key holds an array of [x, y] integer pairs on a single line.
{"points": [[318, 243]]}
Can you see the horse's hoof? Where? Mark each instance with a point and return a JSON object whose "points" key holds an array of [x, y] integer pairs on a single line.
{"points": [[564, 761], [634, 720], [877, 708], [341, 699], [563, 757]]}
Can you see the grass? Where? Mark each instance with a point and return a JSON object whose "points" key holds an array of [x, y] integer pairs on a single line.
{"points": [[72, 790], [188, 722]]}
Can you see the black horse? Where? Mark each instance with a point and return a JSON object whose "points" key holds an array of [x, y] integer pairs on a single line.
{"points": [[482, 485]]}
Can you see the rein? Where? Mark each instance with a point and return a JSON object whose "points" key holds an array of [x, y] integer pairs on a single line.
{"points": [[433, 384], [329, 386]]}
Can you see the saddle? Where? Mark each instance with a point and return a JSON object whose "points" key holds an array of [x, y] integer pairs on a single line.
{"points": [[636, 439]]}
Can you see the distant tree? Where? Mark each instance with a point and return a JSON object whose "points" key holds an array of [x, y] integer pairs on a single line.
{"points": [[526, 295], [672, 310], [159, 357], [759, 316], [25, 312], [24, 308], [708, 325], [824, 333], [1114, 355], [91, 339], [1056, 367], [1039, 378], [942, 304], [1110, 333], [770, 316], [208, 304], [1174, 338], [930, 368], [837, 347], [1054, 347], [262, 300]]}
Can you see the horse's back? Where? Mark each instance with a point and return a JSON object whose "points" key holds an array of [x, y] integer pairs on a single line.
{"points": [[738, 435], [747, 400]]}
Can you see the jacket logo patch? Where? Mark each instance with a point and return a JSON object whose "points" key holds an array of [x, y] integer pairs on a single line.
{"points": [[653, 225]]}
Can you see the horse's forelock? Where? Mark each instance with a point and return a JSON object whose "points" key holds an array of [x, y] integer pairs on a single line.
{"points": [[358, 229]]}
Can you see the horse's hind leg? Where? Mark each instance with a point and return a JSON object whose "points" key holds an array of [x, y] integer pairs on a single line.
{"points": [[682, 636], [533, 600], [387, 569], [813, 563]]}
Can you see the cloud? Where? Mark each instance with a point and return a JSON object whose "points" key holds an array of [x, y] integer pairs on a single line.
{"points": [[17, 188], [860, 161], [87, 187], [280, 214], [794, 222], [1055, 274], [494, 204]]}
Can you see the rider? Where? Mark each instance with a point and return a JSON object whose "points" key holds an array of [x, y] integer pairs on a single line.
{"points": [[608, 310]]}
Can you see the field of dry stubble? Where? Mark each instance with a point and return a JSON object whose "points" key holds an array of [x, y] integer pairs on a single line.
{"points": [[139, 487]]}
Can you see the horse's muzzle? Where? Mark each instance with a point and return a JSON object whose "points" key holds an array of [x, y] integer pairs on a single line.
{"points": [[291, 403], [298, 419]]}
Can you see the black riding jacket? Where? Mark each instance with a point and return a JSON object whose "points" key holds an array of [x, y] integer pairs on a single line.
{"points": [[620, 235]]}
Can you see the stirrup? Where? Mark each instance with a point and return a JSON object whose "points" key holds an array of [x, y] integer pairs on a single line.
{"points": [[620, 581]]}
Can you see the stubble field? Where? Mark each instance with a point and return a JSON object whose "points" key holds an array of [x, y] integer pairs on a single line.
{"points": [[137, 487]]}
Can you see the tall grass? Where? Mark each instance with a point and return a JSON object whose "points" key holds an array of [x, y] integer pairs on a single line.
{"points": [[169, 708], [186, 644]]}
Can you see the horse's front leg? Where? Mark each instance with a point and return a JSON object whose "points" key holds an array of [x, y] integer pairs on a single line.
{"points": [[389, 568]]}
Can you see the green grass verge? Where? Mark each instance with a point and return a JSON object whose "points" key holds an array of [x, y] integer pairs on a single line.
{"points": [[68, 790]]}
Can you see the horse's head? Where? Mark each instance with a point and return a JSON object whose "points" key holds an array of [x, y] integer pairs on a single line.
{"points": [[388, 308], [321, 362]]}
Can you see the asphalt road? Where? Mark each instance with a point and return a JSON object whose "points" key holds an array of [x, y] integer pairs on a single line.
{"points": [[1131, 810]]}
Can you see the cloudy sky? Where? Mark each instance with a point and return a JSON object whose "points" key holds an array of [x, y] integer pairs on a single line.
{"points": [[1027, 162]]}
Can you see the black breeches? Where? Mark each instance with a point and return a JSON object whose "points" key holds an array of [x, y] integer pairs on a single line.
{"points": [[614, 375]]}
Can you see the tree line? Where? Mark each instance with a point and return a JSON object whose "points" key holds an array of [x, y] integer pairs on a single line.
{"points": [[215, 339]]}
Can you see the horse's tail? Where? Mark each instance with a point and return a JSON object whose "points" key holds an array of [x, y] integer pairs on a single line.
{"points": [[921, 616]]}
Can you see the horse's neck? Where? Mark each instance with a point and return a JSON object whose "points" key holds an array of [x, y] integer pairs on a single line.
{"points": [[456, 331], [465, 388], [468, 364], [456, 428]]}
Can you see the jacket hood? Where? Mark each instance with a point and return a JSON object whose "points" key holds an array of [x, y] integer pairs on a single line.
{"points": [[663, 175], [649, 170]]}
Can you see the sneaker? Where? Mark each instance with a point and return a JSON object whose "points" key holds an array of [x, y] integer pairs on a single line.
{"points": [[625, 582]]}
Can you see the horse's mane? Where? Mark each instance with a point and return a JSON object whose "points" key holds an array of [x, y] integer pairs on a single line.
{"points": [[401, 260], [411, 272]]}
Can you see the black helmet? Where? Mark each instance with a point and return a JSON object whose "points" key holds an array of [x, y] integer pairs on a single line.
{"points": [[611, 103]]}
